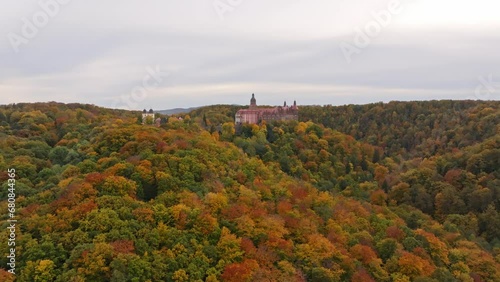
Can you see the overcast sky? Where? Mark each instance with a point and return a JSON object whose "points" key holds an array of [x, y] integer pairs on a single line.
{"points": [[164, 54]]}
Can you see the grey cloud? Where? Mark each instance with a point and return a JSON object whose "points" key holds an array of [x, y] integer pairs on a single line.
{"points": [[90, 63]]}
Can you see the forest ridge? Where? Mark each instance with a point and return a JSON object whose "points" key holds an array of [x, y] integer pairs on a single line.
{"points": [[402, 191]]}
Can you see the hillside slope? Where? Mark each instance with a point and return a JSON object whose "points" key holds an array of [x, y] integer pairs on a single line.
{"points": [[102, 198]]}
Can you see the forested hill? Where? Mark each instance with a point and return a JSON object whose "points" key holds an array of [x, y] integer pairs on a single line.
{"points": [[422, 128], [101, 197]]}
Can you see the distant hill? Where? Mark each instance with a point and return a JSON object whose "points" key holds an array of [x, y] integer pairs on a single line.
{"points": [[177, 111]]}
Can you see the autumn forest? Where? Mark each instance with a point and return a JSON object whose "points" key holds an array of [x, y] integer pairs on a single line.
{"points": [[399, 191]]}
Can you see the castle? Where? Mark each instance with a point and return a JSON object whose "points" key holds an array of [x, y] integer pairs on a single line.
{"points": [[150, 114], [254, 115], [146, 114]]}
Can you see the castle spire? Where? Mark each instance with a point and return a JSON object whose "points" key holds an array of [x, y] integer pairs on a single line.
{"points": [[253, 101]]}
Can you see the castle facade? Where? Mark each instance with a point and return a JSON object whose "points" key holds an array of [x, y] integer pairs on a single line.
{"points": [[254, 115], [150, 115]]}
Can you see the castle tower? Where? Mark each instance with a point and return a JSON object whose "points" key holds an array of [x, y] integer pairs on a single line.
{"points": [[146, 114], [253, 102]]}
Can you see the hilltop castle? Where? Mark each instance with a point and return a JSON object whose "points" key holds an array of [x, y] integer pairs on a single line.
{"points": [[254, 115], [151, 115], [148, 114]]}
